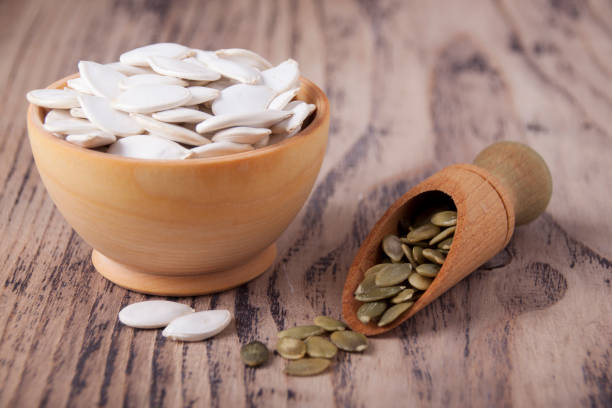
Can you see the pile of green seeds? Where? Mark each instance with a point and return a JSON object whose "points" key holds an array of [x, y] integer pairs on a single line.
{"points": [[306, 347], [391, 287]]}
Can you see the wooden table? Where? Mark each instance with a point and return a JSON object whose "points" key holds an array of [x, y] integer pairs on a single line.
{"points": [[414, 86]]}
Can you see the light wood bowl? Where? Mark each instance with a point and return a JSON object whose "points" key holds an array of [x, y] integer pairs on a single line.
{"points": [[186, 227]]}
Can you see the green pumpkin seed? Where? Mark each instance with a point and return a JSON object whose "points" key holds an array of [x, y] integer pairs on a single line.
{"points": [[291, 348], [393, 275], [444, 218], [417, 253], [329, 324], [379, 293], [307, 366], [349, 340], [392, 246], [393, 313], [446, 244], [403, 296], [254, 354], [317, 346], [443, 235], [371, 310], [419, 282], [428, 270], [408, 253], [374, 269], [301, 332], [434, 255], [368, 283], [425, 232]]}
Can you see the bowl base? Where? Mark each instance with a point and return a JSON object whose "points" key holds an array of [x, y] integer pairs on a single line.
{"points": [[144, 282]]}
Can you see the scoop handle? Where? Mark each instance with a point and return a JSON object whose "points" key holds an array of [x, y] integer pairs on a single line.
{"points": [[524, 174]]}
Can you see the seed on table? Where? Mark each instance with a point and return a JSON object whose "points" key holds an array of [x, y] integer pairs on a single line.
{"points": [[418, 281], [417, 253], [349, 340], [444, 218], [434, 255], [329, 324], [317, 346], [198, 326], [307, 366], [393, 313], [379, 293], [290, 348], [408, 252], [404, 296], [375, 269], [368, 283], [446, 244], [301, 332], [393, 274], [392, 246], [152, 314], [370, 310], [428, 270], [422, 233], [442, 235], [254, 354]]}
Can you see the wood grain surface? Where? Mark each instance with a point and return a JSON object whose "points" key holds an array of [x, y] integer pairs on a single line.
{"points": [[414, 86]]}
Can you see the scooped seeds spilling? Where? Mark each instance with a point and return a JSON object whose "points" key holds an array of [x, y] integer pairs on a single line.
{"points": [[390, 288], [202, 103]]}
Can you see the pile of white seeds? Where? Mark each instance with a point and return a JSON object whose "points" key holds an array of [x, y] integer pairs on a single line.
{"points": [[168, 101]]}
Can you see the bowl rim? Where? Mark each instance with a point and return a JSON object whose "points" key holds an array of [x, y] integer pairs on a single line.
{"points": [[35, 114]]}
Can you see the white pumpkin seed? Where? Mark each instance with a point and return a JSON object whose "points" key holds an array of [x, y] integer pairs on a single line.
{"points": [[129, 70], [68, 126], [102, 80], [53, 98], [101, 114], [262, 143], [198, 326], [151, 98], [152, 314], [150, 79], [148, 147], [139, 56], [280, 101], [300, 111], [91, 140], [241, 134], [242, 98], [78, 113], [181, 115], [201, 94], [244, 57], [57, 114], [169, 131], [79, 85], [181, 69], [219, 149], [230, 69], [282, 77], [252, 119]]}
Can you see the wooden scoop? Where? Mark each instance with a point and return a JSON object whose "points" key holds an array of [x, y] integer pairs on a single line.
{"points": [[509, 183]]}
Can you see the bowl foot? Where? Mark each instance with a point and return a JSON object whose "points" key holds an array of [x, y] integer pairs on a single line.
{"points": [[141, 281]]}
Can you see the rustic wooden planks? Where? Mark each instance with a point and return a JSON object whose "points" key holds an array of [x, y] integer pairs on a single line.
{"points": [[414, 86]]}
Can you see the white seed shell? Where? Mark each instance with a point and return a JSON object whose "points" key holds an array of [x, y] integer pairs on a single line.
{"points": [[151, 98], [264, 118], [230, 69], [152, 314], [53, 98], [102, 80], [280, 102], [68, 126], [129, 70], [263, 142], [151, 79], [170, 132], [282, 77], [241, 134], [201, 94], [244, 57], [242, 98], [198, 326], [101, 114], [79, 85], [181, 69], [219, 149], [138, 56], [181, 115], [91, 140], [148, 147], [301, 110], [78, 113], [57, 114]]}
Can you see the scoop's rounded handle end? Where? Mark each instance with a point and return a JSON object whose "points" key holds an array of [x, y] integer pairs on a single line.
{"points": [[524, 174]]}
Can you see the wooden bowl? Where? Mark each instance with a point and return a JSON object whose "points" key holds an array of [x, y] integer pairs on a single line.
{"points": [[182, 227]]}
